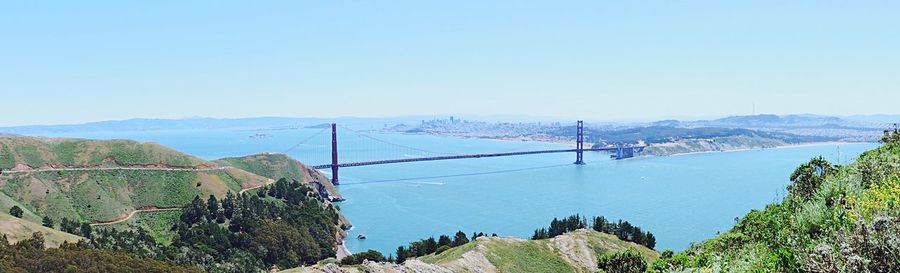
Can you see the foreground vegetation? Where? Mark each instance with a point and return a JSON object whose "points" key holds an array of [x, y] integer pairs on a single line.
{"points": [[30, 255], [834, 219]]}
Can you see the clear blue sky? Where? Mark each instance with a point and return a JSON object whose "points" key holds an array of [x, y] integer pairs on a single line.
{"points": [[78, 61]]}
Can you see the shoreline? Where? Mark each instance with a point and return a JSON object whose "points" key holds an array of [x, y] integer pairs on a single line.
{"points": [[505, 139], [572, 143], [789, 146], [342, 250]]}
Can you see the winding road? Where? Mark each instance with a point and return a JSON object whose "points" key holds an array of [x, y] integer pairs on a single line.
{"points": [[131, 214], [257, 187], [134, 212], [115, 169]]}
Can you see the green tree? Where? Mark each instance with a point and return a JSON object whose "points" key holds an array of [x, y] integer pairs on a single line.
{"points": [[402, 254], [194, 212], [16, 211], [277, 242], [261, 192], [228, 205], [444, 240], [212, 204], [68, 226], [359, 258], [86, 230], [460, 239], [807, 178], [47, 222], [36, 242], [629, 261]]}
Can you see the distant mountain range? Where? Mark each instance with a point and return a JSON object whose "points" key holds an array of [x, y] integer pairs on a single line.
{"points": [[780, 122], [255, 123], [789, 121]]}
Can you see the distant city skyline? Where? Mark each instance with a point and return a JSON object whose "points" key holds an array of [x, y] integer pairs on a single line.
{"points": [[77, 62]]}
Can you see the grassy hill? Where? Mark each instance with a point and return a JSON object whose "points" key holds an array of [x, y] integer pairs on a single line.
{"points": [[572, 252], [276, 166], [17, 229], [34, 152], [71, 177]]}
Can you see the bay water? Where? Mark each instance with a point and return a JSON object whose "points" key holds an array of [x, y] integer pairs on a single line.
{"points": [[680, 199]]}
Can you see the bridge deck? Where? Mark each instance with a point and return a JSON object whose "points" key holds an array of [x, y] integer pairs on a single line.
{"points": [[449, 157]]}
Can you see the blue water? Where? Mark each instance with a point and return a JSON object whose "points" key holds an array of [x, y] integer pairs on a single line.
{"points": [[681, 199]]}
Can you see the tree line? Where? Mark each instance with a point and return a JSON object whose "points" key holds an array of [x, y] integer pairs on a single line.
{"points": [[622, 229], [283, 225], [29, 255], [431, 246]]}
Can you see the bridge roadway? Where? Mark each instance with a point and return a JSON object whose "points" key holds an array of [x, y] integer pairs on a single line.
{"points": [[448, 157]]}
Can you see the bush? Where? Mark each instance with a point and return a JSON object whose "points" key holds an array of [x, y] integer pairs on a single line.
{"points": [[358, 258], [442, 249], [629, 261], [16, 211], [807, 178], [869, 247]]}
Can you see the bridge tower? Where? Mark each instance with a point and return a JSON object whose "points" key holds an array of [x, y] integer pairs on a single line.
{"points": [[334, 155], [579, 144]]}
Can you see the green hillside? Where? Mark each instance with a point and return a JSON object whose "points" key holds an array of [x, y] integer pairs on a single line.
{"points": [[106, 195], [834, 219], [576, 251], [34, 152], [277, 166], [147, 200], [100, 181], [16, 230]]}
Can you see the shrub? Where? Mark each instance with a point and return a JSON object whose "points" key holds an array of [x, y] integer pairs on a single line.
{"points": [[807, 178], [358, 258], [629, 261], [16, 211], [442, 249]]}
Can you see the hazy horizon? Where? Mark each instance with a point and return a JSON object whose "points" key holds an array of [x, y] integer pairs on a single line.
{"points": [[87, 61], [488, 118]]}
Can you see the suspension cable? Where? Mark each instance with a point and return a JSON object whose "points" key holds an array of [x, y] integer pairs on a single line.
{"points": [[305, 140], [391, 143]]}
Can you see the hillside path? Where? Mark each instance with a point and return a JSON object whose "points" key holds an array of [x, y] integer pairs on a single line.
{"points": [[257, 187], [131, 214], [116, 168]]}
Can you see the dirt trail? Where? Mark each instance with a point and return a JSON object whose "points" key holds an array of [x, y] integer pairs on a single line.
{"points": [[257, 187], [131, 214]]}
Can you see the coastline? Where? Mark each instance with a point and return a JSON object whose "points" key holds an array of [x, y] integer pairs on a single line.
{"points": [[505, 139], [342, 250], [789, 146], [572, 143]]}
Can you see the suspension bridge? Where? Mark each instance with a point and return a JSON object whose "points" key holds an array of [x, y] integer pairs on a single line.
{"points": [[618, 152]]}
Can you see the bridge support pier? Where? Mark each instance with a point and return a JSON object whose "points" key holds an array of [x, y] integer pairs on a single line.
{"points": [[579, 144], [334, 155]]}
